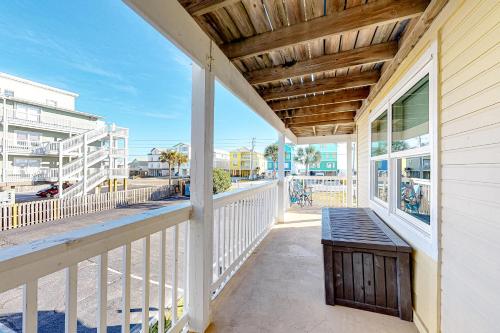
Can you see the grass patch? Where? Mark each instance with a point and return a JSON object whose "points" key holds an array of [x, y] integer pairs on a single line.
{"points": [[168, 317]]}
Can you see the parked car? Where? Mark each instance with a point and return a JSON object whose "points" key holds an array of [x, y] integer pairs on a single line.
{"points": [[52, 191]]}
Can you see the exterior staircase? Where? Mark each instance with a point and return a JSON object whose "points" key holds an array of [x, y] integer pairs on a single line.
{"points": [[94, 162]]}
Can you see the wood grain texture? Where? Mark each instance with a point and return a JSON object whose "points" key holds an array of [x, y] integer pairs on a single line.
{"points": [[201, 7], [321, 85], [335, 118], [359, 17], [330, 98], [361, 56], [410, 38], [322, 109]]}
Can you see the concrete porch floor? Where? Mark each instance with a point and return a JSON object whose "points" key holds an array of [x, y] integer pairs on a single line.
{"points": [[280, 289]]}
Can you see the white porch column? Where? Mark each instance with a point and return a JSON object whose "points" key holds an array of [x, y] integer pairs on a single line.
{"points": [[5, 152], [349, 171], [201, 222], [281, 178], [85, 170], [60, 174]]}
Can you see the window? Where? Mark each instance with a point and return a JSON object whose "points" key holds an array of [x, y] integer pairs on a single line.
{"points": [[8, 93], [413, 179], [379, 135], [27, 162], [403, 156], [27, 112], [410, 118], [381, 180]]}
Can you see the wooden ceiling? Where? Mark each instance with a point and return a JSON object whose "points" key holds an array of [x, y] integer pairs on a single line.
{"points": [[313, 61]]}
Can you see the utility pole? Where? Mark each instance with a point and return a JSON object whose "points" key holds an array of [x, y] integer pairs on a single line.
{"points": [[251, 158]]}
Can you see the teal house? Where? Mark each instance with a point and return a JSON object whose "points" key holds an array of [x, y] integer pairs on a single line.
{"points": [[271, 166], [328, 164]]}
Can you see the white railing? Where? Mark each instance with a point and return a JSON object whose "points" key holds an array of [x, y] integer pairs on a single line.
{"points": [[72, 167], [241, 220], [318, 191], [34, 175], [73, 190], [35, 212], [97, 133], [25, 265], [31, 147], [120, 131], [96, 178], [48, 121], [97, 156], [72, 142], [119, 172], [118, 151]]}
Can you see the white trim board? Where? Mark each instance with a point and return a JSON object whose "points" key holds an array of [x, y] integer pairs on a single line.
{"points": [[422, 237], [174, 22]]}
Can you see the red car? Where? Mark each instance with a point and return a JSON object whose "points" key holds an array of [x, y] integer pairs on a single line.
{"points": [[52, 191]]}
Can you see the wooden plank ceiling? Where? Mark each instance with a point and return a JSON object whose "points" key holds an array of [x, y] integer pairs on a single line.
{"points": [[312, 61]]}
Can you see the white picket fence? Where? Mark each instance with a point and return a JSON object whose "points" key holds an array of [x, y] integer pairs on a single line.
{"points": [[34, 212]]}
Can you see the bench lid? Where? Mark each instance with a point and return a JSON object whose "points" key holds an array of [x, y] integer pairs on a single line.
{"points": [[359, 228]]}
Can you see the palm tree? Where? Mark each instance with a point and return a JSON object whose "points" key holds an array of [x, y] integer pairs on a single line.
{"points": [[181, 159], [271, 152], [308, 156], [169, 157]]}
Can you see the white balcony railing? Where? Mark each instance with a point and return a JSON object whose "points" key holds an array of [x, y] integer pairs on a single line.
{"points": [[119, 172], [241, 220], [31, 174], [48, 121], [25, 265], [318, 191]]}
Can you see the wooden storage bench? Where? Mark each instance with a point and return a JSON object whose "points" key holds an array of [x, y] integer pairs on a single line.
{"points": [[367, 266]]}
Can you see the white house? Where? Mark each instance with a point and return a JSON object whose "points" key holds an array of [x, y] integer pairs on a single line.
{"points": [[157, 168], [45, 139]]}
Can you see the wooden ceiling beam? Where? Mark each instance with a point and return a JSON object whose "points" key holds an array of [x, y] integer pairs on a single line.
{"points": [[352, 19], [202, 7], [330, 98], [318, 123], [322, 109], [322, 85], [345, 117], [360, 56], [407, 42]]}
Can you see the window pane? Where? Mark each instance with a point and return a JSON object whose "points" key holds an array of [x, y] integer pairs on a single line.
{"points": [[410, 118], [381, 186], [414, 178], [379, 135]]}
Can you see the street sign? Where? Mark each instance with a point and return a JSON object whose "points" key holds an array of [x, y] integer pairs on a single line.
{"points": [[7, 197]]}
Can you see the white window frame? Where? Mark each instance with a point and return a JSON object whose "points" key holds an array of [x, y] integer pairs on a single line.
{"points": [[420, 235]]}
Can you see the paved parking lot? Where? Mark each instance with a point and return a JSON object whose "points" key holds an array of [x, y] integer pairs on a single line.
{"points": [[51, 297]]}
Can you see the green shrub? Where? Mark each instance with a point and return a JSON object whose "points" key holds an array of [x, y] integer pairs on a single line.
{"points": [[222, 180]]}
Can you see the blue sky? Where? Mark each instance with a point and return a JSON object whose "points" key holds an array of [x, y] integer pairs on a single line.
{"points": [[122, 68]]}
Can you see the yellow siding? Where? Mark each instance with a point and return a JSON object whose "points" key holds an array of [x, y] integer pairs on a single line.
{"points": [[363, 159], [470, 158], [468, 36]]}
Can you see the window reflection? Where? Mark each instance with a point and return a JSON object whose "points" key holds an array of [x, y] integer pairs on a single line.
{"points": [[414, 176], [381, 180]]}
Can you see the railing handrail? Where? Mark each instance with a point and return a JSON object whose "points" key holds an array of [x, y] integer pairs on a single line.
{"points": [[319, 177], [23, 263], [224, 198]]}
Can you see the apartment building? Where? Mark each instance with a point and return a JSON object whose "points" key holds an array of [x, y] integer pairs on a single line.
{"points": [[46, 139], [272, 167], [243, 160], [157, 168]]}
